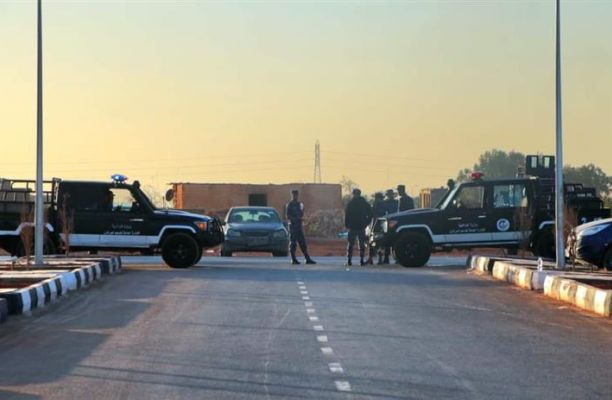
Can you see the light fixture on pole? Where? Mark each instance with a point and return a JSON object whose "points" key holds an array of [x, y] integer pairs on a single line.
{"points": [[559, 204], [39, 205]]}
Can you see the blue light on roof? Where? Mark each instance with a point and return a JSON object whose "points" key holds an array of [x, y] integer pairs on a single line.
{"points": [[119, 178]]}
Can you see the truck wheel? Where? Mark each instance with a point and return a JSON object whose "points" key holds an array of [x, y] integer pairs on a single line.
{"points": [[545, 245], [180, 250], [412, 250], [607, 260], [280, 254]]}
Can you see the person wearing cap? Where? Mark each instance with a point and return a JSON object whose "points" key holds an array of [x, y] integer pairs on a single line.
{"points": [[294, 212], [405, 201], [357, 216]]}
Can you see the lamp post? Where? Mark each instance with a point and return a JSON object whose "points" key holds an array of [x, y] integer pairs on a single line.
{"points": [[39, 205], [559, 206]]}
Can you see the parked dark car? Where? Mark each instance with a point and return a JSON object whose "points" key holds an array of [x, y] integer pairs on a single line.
{"points": [[593, 243], [257, 229]]}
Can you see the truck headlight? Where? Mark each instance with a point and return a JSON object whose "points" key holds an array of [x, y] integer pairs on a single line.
{"points": [[233, 233], [202, 225], [281, 234]]}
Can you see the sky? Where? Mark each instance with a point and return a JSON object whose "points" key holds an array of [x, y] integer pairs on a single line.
{"points": [[239, 91]]}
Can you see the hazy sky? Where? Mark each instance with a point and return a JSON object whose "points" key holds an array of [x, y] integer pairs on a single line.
{"points": [[239, 91]]}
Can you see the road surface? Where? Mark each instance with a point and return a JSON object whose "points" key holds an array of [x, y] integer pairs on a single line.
{"points": [[257, 328]]}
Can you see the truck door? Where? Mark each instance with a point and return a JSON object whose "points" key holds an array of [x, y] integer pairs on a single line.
{"points": [[78, 216], [466, 216], [126, 218], [510, 212]]}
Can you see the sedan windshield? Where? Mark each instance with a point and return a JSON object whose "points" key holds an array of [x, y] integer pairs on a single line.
{"points": [[245, 216]]}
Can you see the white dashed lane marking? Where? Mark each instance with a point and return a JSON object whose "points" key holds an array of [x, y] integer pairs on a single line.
{"points": [[336, 368], [343, 386]]}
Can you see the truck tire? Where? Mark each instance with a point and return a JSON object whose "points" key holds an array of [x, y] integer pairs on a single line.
{"points": [[180, 250], [412, 250], [545, 245], [607, 259]]}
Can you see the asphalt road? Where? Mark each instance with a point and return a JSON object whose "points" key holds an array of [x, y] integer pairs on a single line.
{"points": [[256, 328]]}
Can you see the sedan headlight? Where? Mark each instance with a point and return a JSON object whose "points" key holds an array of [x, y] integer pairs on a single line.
{"points": [[202, 225], [593, 230], [281, 234], [233, 233]]}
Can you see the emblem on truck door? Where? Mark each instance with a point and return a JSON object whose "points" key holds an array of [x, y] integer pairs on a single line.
{"points": [[503, 225]]}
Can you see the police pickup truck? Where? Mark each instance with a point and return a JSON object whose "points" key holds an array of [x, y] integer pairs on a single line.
{"points": [[503, 213], [95, 216]]}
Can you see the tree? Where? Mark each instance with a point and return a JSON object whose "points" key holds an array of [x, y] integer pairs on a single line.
{"points": [[590, 176], [496, 164]]}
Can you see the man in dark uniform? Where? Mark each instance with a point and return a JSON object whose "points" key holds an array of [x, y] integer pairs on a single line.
{"points": [[405, 201], [357, 215], [294, 212], [391, 206], [379, 210]]}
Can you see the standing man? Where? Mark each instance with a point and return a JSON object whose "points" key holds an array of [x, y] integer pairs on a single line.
{"points": [[357, 217], [405, 201], [294, 212], [391, 207], [379, 210]]}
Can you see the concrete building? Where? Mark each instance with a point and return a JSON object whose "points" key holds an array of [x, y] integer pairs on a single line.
{"points": [[217, 198]]}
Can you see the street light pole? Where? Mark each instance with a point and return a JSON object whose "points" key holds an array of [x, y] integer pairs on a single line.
{"points": [[559, 206], [39, 206]]}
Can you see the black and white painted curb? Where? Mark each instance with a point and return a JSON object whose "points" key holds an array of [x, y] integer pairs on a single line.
{"points": [[582, 295], [39, 294]]}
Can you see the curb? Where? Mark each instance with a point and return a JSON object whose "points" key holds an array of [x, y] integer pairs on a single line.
{"points": [[580, 294], [35, 296], [483, 265], [523, 277]]}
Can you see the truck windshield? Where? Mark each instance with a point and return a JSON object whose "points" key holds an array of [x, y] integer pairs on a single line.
{"points": [[448, 198], [146, 200]]}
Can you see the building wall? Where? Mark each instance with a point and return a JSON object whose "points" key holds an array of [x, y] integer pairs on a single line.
{"points": [[217, 198]]}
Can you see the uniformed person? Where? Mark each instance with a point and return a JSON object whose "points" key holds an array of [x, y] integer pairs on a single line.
{"points": [[391, 206], [294, 212], [391, 203], [357, 216], [379, 210], [405, 201]]}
